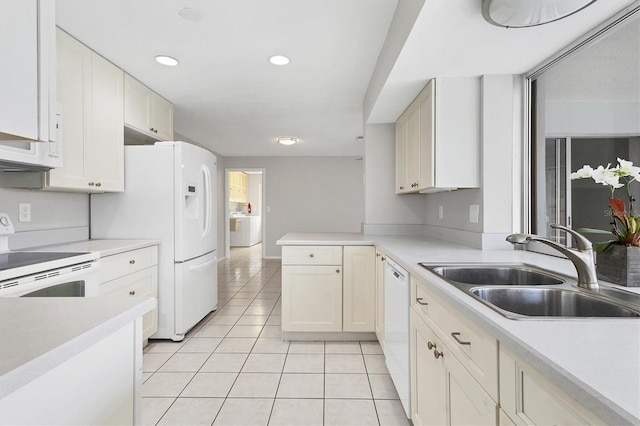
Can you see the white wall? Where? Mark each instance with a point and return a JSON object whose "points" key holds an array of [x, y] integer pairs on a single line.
{"points": [[255, 180], [308, 194], [49, 210], [382, 205]]}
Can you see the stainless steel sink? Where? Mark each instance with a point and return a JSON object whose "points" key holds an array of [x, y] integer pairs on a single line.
{"points": [[621, 295], [496, 275], [523, 291], [550, 302]]}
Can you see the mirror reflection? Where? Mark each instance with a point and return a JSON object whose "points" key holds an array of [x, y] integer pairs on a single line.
{"points": [[586, 110]]}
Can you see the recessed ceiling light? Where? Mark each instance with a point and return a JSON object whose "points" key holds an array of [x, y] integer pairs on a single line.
{"points": [[190, 14], [167, 60], [279, 60], [286, 140]]}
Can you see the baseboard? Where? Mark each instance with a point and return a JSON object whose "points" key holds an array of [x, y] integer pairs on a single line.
{"points": [[351, 336]]}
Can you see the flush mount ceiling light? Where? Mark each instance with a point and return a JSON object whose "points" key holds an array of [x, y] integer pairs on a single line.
{"points": [[529, 13], [286, 140], [279, 60], [167, 60]]}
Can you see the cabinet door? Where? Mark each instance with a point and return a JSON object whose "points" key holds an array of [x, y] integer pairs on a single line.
{"points": [[425, 172], [402, 184], [428, 391], [312, 298], [105, 159], [380, 298], [359, 288], [137, 104], [161, 119], [413, 147], [19, 70], [469, 404], [74, 97], [528, 398]]}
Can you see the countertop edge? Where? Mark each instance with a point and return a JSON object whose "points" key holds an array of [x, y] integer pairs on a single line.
{"points": [[31, 370]]}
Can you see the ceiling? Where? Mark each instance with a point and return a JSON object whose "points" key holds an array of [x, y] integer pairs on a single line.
{"points": [[226, 94], [229, 98]]}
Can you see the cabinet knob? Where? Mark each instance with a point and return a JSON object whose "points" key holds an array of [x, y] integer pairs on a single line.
{"points": [[402, 187], [311, 255], [420, 302], [431, 345], [132, 292], [98, 184], [132, 261], [337, 271], [91, 184], [151, 129], [437, 354], [383, 258], [155, 131]]}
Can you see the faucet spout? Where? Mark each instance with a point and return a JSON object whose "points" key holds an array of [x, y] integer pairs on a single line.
{"points": [[581, 257]]}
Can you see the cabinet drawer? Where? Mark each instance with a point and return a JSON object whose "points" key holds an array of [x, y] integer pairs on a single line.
{"points": [[141, 283], [312, 255], [118, 265], [476, 350]]}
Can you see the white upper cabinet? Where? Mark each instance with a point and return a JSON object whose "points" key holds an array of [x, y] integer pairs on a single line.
{"points": [[147, 112], [91, 97], [438, 138], [27, 70]]}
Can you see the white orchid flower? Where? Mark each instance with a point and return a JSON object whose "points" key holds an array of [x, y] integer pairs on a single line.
{"points": [[626, 168], [607, 176], [585, 172]]}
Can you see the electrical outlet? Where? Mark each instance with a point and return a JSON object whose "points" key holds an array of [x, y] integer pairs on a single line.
{"points": [[25, 212], [474, 213], [441, 212]]}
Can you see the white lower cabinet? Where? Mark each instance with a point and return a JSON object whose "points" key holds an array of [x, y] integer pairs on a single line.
{"points": [[133, 273], [328, 288], [443, 392], [359, 288], [528, 398], [454, 365]]}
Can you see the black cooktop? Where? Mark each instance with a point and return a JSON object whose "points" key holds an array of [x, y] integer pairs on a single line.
{"points": [[26, 258]]}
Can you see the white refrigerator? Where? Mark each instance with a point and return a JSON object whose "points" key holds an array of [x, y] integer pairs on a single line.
{"points": [[170, 196]]}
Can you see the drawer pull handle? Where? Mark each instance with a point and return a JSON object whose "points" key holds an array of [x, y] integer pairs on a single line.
{"points": [[420, 302], [431, 345], [437, 354], [311, 255], [132, 292], [456, 337], [132, 261]]}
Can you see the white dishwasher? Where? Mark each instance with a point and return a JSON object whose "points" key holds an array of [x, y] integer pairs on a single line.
{"points": [[396, 329]]}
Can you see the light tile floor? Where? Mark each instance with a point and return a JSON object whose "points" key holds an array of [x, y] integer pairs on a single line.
{"points": [[234, 369]]}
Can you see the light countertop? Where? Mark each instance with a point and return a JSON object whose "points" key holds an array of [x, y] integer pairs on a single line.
{"points": [[102, 247], [38, 334], [596, 361]]}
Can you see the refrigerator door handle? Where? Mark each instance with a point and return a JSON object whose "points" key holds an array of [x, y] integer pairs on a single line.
{"points": [[203, 265], [207, 199]]}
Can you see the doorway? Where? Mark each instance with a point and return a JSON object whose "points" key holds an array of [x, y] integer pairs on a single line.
{"points": [[245, 220]]}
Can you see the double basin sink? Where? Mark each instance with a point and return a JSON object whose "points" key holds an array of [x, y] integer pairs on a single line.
{"points": [[522, 291]]}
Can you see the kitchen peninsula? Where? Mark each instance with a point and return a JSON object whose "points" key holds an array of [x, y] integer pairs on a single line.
{"points": [[592, 364]]}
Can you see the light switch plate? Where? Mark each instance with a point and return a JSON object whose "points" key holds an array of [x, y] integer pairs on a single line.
{"points": [[474, 213]]}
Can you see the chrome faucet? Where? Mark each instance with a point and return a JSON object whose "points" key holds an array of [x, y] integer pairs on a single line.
{"points": [[582, 257]]}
